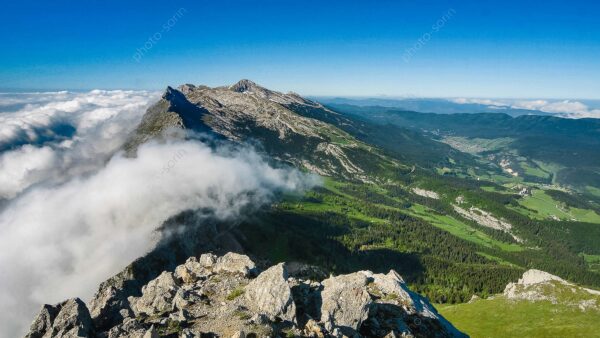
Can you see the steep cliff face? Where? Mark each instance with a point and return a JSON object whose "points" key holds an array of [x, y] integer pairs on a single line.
{"points": [[229, 296], [287, 126]]}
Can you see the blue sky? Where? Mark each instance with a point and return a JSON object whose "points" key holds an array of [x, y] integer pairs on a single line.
{"points": [[533, 49]]}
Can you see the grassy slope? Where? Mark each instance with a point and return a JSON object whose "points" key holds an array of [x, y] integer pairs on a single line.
{"points": [[503, 318], [460, 229], [444, 222], [546, 206]]}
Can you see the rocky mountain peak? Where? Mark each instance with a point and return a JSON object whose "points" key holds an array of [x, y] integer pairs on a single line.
{"points": [[186, 88], [168, 92], [244, 85], [173, 95], [291, 128]]}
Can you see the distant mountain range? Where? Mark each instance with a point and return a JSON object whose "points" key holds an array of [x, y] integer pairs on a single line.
{"points": [[433, 105]]}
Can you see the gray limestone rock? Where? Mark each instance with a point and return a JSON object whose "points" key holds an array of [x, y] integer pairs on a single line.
{"points": [[70, 318], [270, 294], [345, 302]]}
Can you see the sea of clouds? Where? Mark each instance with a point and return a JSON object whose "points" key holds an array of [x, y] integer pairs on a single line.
{"points": [[74, 210]]}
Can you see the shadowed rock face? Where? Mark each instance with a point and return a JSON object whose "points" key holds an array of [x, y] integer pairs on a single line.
{"points": [[220, 296], [171, 113], [70, 318]]}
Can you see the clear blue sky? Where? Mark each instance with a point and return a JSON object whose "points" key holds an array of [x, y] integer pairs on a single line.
{"points": [[548, 49]]}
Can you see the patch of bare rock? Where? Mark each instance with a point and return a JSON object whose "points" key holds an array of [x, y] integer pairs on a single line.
{"points": [[537, 285]]}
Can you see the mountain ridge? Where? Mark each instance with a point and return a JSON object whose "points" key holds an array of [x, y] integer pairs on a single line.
{"points": [[245, 111]]}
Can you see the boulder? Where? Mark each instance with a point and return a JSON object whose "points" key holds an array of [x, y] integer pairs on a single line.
{"points": [[130, 328], [70, 318], [345, 302], [188, 333], [186, 296], [270, 294], [207, 260], [108, 306], [157, 295], [191, 271], [235, 263]]}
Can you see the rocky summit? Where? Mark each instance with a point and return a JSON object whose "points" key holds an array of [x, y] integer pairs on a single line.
{"points": [[228, 296]]}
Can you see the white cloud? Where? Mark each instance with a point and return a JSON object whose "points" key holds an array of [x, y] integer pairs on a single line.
{"points": [[563, 108], [80, 213], [101, 119], [486, 102], [23, 167], [39, 113]]}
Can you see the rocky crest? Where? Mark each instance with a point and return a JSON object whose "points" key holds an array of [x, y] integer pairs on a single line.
{"points": [[288, 127], [226, 297]]}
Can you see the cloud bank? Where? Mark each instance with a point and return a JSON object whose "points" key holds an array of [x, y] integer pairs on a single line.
{"points": [[72, 222], [49, 137], [561, 108]]}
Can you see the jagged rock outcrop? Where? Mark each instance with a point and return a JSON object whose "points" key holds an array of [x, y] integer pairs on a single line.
{"points": [[157, 296], [70, 318], [235, 263], [223, 297]]}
